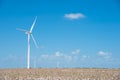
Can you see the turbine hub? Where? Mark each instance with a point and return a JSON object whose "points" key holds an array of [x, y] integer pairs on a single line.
{"points": [[27, 32]]}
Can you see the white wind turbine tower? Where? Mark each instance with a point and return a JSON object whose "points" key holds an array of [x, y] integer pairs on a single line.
{"points": [[29, 33]]}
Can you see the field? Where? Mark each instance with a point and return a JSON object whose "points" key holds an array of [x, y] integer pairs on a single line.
{"points": [[60, 74]]}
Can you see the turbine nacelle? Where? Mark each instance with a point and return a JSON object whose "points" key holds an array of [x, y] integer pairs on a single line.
{"points": [[28, 32]]}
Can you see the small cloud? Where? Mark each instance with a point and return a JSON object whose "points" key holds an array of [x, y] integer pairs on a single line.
{"points": [[85, 56], [101, 53], [58, 53], [73, 16], [77, 51], [105, 55], [67, 57], [44, 56]]}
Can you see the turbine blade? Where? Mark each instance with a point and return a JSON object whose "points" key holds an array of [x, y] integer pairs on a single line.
{"points": [[33, 25], [21, 30], [34, 41]]}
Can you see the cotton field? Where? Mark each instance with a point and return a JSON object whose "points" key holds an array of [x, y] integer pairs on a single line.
{"points": [[60, 74]]}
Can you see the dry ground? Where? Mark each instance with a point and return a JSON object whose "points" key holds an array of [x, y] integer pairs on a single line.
{"points": [[60, 74]]}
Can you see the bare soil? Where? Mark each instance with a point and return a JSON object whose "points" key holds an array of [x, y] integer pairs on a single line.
{"points": [[60, 74]]}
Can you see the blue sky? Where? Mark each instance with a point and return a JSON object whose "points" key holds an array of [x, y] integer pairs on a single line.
{"points": [[70, 33]]}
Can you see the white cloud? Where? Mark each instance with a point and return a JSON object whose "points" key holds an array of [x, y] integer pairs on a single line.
{"points": [[85, 56], [105, 55], [58, 53], [74, 16], [64, 56], [67, 57], [45, 56], [102, 53], [77, 51]]}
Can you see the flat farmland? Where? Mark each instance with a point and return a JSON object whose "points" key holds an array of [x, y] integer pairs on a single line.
{"points": [[60, 74]]}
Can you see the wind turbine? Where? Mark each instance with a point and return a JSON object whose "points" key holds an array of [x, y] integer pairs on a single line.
{"points": [[29, 33]]}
